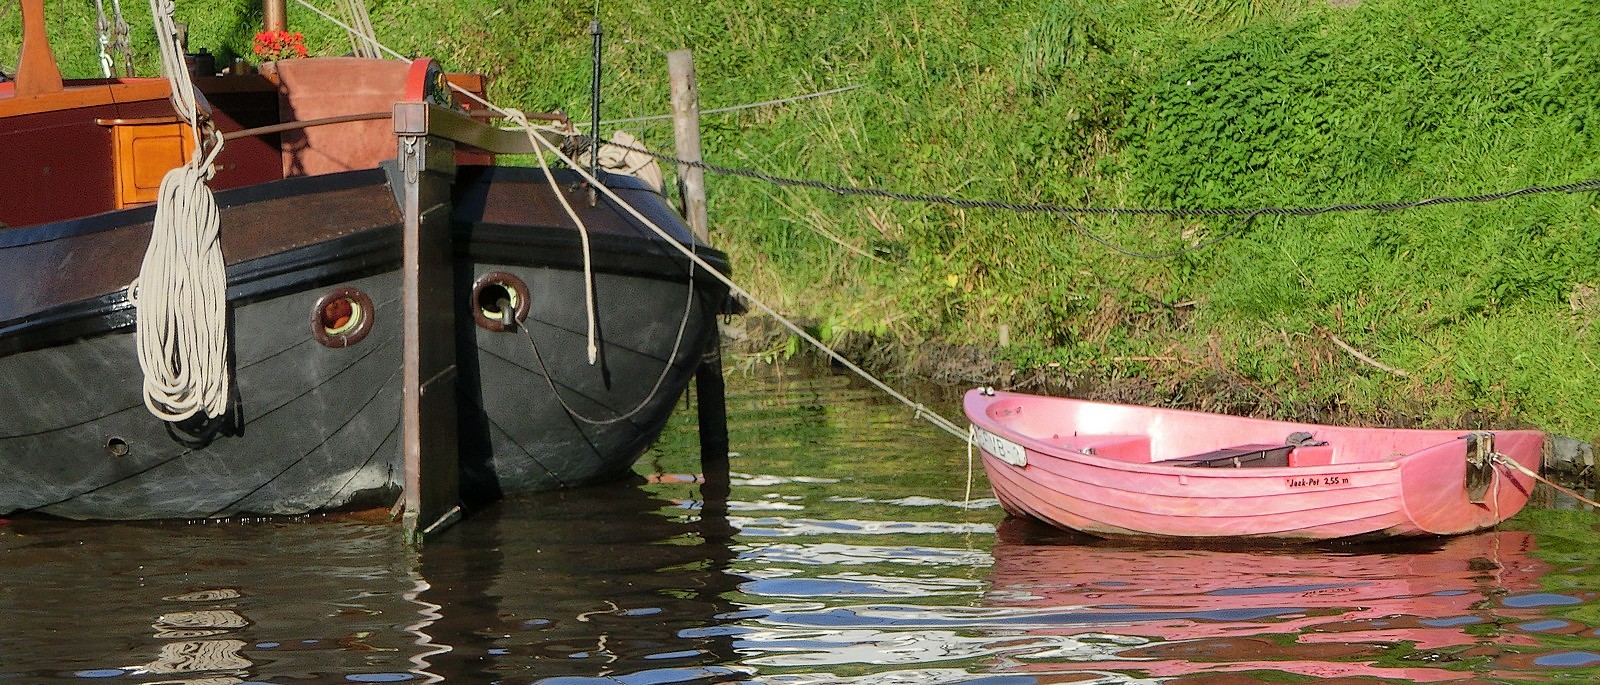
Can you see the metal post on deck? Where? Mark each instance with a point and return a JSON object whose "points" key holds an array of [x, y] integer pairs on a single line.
{"points": [[428, 408], [709, 388], [274, 15]]}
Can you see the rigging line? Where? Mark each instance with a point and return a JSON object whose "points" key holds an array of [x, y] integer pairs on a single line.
{"points": [[369, 35], [734, 108], [392, 53], [666, 368], [595, 33], [1590, 185], [102, 28], [120, 32]]}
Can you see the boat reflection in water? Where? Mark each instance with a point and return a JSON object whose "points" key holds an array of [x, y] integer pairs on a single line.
{"points": [[596, 583], [1407, 613], [589, 585]]}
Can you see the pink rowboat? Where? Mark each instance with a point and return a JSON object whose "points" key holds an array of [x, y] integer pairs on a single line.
{"points": [[1118, 470]]}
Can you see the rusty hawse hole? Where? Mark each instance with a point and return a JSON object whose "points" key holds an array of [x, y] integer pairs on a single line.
{"points": [[342, 317], [497, 296]]}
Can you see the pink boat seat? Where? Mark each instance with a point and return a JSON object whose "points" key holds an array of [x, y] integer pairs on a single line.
{"points": [[1129, 448], [1239, 456], [1301, 449]]}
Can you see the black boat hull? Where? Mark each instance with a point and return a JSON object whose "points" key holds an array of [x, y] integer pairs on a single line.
{"points": [[315, 428]]}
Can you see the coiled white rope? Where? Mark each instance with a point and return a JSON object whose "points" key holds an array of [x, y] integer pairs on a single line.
{"points": [[180, 295]]}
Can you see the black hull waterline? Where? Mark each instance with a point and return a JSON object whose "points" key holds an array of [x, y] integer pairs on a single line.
{"points": [[315, 428]]}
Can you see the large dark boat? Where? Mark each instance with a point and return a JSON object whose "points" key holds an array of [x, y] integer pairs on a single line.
{"points": [[390, 293]]}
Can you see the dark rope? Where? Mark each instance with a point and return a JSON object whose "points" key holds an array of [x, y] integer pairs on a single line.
{"points": [[1247, 215]]}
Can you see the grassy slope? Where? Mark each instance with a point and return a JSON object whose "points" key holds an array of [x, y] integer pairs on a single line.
{"points": [[1143, 102]]}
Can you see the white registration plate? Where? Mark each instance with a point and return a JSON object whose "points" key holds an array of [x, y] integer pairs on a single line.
{"points": [[1001, 448]]}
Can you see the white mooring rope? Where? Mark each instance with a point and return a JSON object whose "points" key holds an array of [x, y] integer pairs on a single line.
{"points": [[521, 120], [180, 295], [920, 411], [1512, 464]]}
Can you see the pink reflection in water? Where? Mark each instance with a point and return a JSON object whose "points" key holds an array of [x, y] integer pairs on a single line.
{"points": [[1320, 612]]}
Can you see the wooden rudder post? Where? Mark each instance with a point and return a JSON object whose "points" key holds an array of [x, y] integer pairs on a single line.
{"points": [[428, 421]]}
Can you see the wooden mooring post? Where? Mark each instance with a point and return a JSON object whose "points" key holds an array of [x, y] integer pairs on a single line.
{"points": [[686, 133], [709, 389]]}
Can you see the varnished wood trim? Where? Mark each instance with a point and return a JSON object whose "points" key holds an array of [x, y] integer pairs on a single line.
{"points": [[105, 93], [145, 121]]}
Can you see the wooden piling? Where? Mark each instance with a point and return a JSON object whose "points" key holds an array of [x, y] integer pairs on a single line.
{"points": [[428, 421], [712, 409], [686, 131], [710, 391]]}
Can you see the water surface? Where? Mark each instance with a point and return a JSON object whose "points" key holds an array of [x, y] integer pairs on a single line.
{"points": [[851, 552]]}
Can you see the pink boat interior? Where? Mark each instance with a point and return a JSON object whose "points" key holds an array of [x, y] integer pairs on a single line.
{"points": [[1172, 437]]}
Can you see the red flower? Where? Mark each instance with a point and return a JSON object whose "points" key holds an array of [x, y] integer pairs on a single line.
{"points": [[276, 45]]}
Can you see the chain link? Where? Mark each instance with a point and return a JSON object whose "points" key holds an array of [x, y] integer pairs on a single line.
{"points": [[1071, 213]]}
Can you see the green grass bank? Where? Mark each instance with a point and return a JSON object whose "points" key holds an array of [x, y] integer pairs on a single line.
{"points": [[1477, 312]]}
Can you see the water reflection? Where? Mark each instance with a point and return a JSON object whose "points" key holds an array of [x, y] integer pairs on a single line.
{"points": [[597, 585], [1399, 614], [199, 604], [189, 660], [592, 585], [847, 553]]}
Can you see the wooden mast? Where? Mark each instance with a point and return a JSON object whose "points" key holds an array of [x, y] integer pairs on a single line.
{"points": [[37, 73]]}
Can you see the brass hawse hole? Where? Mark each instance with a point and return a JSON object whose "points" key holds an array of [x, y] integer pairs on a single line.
{"points": [[342, 318], [496, 296]]}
